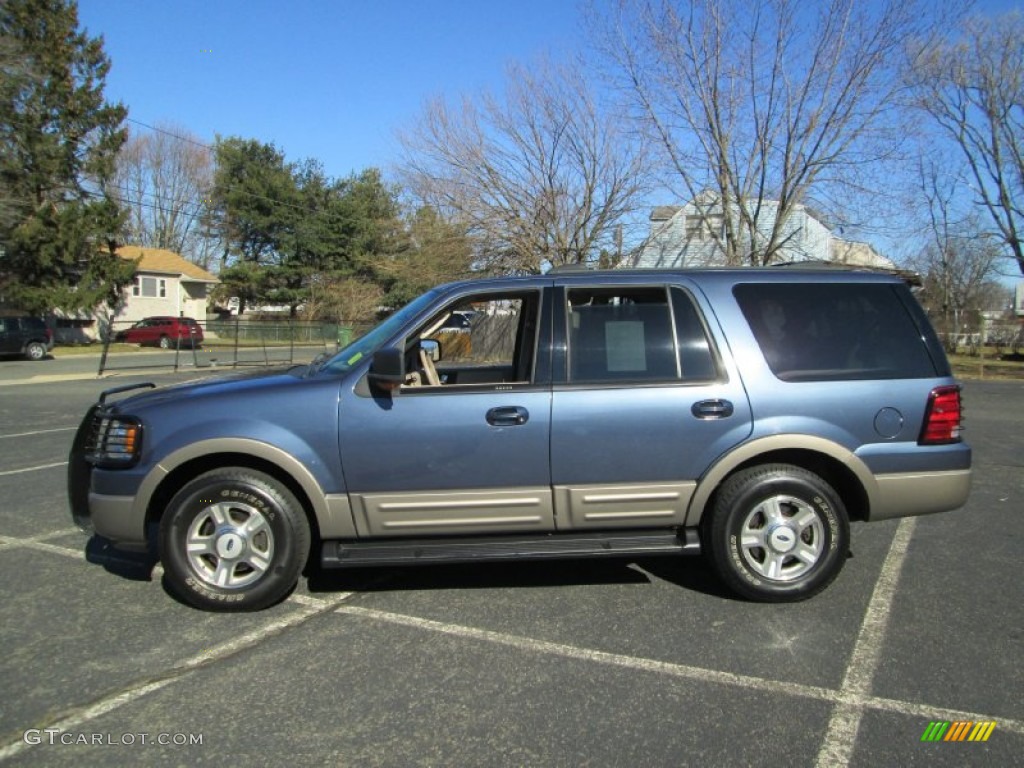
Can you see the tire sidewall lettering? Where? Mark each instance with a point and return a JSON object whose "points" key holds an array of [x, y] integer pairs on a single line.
{"points": [[722, 533], [235, 494], [202, 589], [259, 492], [265, 508], [737, 560], [830, 520]]}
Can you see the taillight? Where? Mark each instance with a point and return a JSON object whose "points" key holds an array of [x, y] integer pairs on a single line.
{"points": [[942, 417]]}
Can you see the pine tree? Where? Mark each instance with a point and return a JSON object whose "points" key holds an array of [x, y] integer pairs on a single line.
{"points": [[58, 143]]}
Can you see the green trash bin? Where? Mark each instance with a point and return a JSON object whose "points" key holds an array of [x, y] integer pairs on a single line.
{"points": [[345, 333]]}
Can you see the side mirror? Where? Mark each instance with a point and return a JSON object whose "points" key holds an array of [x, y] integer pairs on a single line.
{"points": [[387, 370], [432, 347]]}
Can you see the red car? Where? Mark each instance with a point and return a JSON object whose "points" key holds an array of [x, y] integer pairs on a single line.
{"points": [[165, 332]]}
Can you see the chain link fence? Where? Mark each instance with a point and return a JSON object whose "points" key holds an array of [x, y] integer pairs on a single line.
{"points": [[228, 343]]}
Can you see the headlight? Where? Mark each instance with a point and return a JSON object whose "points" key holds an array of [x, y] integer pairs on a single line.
{"points": [[116, 441]]}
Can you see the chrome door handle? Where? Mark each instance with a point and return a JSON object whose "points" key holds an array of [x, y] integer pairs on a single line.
{"points": [[712, 409], [508, 416]]}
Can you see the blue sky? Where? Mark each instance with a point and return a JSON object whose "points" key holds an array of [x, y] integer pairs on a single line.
{"points": [[330, 79]]}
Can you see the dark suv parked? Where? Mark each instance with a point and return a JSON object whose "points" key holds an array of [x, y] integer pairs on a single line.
{"points": [[746, 414], [26, 336]]}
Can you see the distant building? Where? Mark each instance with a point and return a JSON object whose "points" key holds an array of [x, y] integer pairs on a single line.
{"points": [[691, 235], [166, 283]]}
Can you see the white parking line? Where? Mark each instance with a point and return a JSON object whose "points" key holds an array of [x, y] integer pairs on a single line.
{"points": [[39, 432], [37, 543], [312, 602], [10, 542], [33, 469], [841, 736], [54, 534], [851, 700], [684, 671], [180, 671], [602, 657]]}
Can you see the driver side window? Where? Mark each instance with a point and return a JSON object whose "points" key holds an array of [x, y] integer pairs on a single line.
{"points": [[480, 340]]}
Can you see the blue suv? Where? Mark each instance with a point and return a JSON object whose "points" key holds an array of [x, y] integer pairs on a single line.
{"points": [[748, 415]]}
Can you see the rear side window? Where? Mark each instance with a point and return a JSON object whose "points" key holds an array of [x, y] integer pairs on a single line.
{"points": [[636, 334], [834, 332]]}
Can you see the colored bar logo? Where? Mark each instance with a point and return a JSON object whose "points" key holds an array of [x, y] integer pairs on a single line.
{"points": [[959, 730]]}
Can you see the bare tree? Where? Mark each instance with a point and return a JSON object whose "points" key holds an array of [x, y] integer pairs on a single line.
{"points": [[759, 106], [427, 251], [960, 263], [164, 179], [542, 176], [347, 300], [973, 90]]}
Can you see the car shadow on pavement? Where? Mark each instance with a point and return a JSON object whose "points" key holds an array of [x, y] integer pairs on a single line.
{"points": [[128, 564], [688, 573], [691, 573]]}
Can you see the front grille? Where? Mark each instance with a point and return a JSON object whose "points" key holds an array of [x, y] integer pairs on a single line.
{"points": [[92, 436]]}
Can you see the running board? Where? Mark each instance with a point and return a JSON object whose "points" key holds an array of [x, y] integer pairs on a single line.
{"points": [[355, 554]]}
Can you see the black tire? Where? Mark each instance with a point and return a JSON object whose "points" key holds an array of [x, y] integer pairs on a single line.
{"points": [[254, 541], [35, 350], [165, 342], [797, 533]]}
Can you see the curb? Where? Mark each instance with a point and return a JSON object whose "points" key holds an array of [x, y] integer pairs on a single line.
{"points": [[52, 378]]}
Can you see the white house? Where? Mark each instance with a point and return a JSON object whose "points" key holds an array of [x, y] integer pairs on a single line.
{"points": [[166, 283], [691, 235]]}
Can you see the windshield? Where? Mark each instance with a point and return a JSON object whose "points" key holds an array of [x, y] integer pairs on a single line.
{"points": [[368, 343]]}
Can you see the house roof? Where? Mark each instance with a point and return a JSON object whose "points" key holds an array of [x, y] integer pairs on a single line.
{"points": [[857, 254], [164, 262], [665, 212]]}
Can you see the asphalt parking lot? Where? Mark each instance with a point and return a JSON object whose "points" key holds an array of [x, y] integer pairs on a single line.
{"points": [[586, 663]]}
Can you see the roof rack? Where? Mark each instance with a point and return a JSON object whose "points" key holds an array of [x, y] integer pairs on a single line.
{"points": [[578, 267]]}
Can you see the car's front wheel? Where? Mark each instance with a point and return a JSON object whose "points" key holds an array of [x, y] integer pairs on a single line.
{"points": [[233, 539], [776, 533], [165, 342], [35, 350]]}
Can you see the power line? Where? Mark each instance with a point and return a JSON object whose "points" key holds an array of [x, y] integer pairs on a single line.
{"points": [[251, 195], [317, 227], [169, 133], [186, 207]]}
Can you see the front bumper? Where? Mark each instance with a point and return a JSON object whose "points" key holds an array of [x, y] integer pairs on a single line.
{"points": [[114, 518], [110, 515], [80, 474]]}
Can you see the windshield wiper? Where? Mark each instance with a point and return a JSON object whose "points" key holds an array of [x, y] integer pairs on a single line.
{"points": [[318, 363]]}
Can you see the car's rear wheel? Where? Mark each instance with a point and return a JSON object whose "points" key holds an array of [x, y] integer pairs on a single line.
{"points": [[35, 350], [776, 533], [233, 539]]}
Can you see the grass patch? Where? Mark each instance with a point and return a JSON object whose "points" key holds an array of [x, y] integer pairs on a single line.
{"points": [[987, 366], [76, 350]]}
